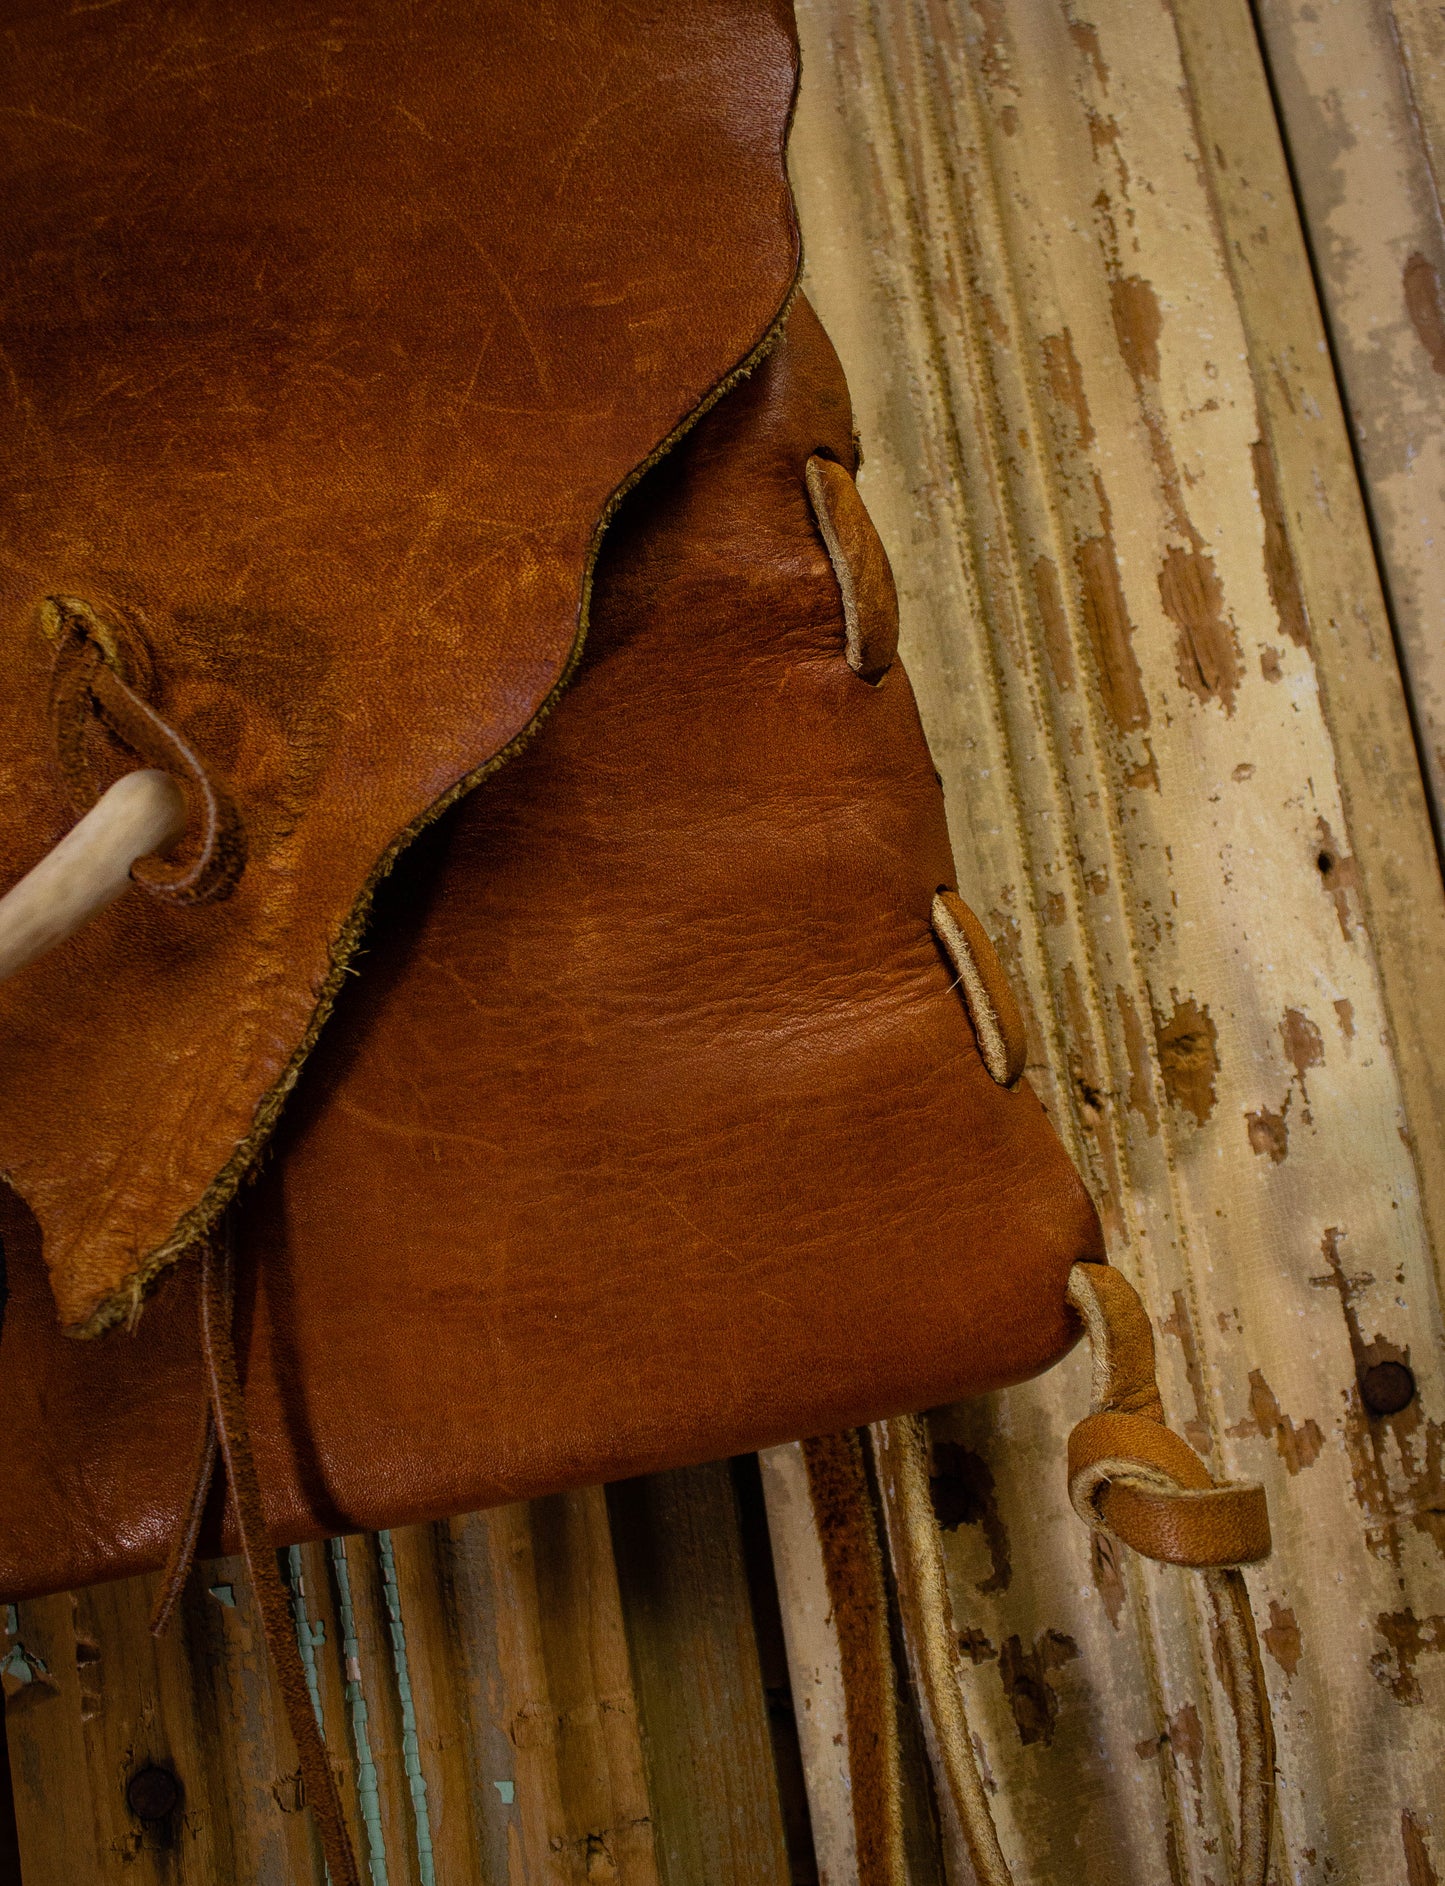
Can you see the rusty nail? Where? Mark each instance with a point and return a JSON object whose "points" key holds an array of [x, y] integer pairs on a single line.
{"points": [[1386, 1387], [152, 1793]]}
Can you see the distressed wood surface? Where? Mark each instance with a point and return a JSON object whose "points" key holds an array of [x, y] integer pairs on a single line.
{"points": [[501, 1707], [1057, 249], [1057, 245], [1361, 93]]}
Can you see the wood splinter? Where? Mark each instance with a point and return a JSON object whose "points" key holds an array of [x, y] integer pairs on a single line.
{"points": [[143, 812]]}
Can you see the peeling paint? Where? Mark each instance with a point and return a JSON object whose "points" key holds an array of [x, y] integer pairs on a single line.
{"points": [[1146, 773], [1407, 1639], [410, 1746], [1424, 306], [962, 1486], [1339, 874], [1210, 664], [1187, 1046], [1138, 324], [994, 52], [976, 1646], [1418, 1868], [1269, 1132], [24, 1677], [1050, 601], [1304, 1045], [1281, 1637], [1027, 1681], [1066, 382], [1281, 571], [367, 1781], [1178, 1325], [1299, 1447], [1186, 1739], [1086, 38], [1136, 1046], [1111, 633]]}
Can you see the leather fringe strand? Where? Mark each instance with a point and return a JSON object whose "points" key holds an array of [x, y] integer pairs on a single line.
{"points": [[224, 1435], [1129, 1476]]}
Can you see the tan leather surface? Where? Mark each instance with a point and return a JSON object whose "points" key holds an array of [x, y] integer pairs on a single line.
{"points": [[329, 329], [653, 1128]]}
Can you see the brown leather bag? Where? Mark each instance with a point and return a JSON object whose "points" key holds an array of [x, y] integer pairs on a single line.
{"points": [[656, 1096]]}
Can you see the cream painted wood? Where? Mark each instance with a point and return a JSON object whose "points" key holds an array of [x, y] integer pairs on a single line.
{"points": [[1056, 248], [1361, 90], [815, 1664]]}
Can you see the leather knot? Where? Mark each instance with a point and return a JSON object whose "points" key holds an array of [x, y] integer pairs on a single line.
{"points": [[1133, 1477], [102, 673]]}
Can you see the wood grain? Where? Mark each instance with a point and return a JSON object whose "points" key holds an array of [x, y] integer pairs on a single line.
{"points": [[1058, 246], [714, 1787], [1057, 250], [1361, 93]]}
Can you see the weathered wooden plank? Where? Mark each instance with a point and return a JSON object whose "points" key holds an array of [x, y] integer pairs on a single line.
{"points": [[1142, 617], [714, 1788], [557, 1778], [371, 1706], [819, 1687], [427, 1598], [9, 1837], [1361, 91], [199, 1705], [814, 1660], [477, 1691]]}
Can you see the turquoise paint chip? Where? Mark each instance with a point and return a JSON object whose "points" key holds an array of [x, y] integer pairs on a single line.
{"points": [[507, 1790]]}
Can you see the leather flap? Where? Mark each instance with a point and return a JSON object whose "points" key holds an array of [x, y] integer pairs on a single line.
{"points": [[331, 332]]}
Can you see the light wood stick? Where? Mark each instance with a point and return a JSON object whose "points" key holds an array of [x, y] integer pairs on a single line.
{"points": [[90, 867]]}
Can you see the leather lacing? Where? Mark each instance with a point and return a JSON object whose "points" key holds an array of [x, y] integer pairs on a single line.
{"points": [[225, 1437], [1130, 1477], [101, 673]]}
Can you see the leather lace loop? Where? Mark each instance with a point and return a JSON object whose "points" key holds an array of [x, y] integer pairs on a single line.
{"points": [[100, 672], [225, 1435], [1128, 1476]]}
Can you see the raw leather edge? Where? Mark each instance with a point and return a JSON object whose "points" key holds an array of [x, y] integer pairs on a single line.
{"points": [[125, 1305]]}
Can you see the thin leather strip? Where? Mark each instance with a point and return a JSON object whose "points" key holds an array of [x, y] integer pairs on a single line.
{"points": [[1123, 1374], [88, 684], [1148, 1487], [987, 993], [187, 1536], [1243, 1672], [860, 563], [1130, 1476], [332, 339], [228, 1409], [858, 1598]]}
